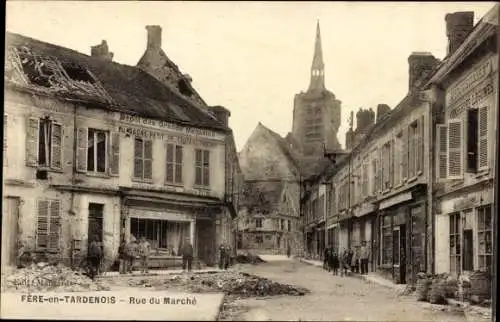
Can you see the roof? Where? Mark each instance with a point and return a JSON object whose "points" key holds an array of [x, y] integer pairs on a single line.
{"points": [[262, 195], [127, 88], [284, 145]]}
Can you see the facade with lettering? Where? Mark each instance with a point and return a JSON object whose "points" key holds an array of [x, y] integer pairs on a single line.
{"points": [[466, 88], [98, 150]]}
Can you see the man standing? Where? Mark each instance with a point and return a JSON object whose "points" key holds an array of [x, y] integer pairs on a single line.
{"points": [[130, 254], [94, 257], [228, 256], [187, 255], [144, 251], [364, 254], [122, 257], [222, 257]]}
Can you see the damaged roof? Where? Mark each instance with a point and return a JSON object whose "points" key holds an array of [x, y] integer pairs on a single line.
{"points": [[119, 87], [262, 196]]}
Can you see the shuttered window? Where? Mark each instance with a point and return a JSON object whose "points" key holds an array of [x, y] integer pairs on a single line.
{"points": [[420, 145], [412, 156], [365, 179], [44, 142], [398, 157], [386, 166], [455, 149], [174, 163], [483, 138], [48, 224], [5, 139], [143, 159], [442, 151], [202, 167], [404, 155]]}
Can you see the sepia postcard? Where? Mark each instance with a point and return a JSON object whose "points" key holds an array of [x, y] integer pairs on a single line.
{"points": [[250, 161]]}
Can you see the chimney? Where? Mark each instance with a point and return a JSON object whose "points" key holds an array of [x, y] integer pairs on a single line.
{"points": [[222, 114], [420, 64], [154, 37], [458, 27], [364, 120], [349, 138], [101, 51], [382, 109]]}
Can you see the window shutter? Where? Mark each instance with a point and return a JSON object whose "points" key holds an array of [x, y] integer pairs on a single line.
{"points": [[380, 178], [148, 159], [411, 151], [114, 169], [442, 161], [169, 176], [404, 155], [198, 167], [5, 140], [421, 145], [206, 168], [138, 158], [56, 160], [54, 224], [483, 138], [81, 149], [42, 231], [32, 132], [455, 149], [391, 163], [178, 163]]}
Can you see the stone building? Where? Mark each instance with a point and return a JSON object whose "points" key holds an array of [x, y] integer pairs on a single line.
{"points": [[269, 217], [97, 149], [466, 99], [418, 187], [316, 112]]}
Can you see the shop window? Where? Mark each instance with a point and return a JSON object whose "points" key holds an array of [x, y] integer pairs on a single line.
{"points": [[163, 235], [96, 151], [48, 224], [386, 240], [455, 243], [143, 159], [202, 168], [174, 163], [258, 223], [485, 238]]}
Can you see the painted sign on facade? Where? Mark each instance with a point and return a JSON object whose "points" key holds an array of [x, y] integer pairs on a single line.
{"points": [[468, 82], [192, 191]]}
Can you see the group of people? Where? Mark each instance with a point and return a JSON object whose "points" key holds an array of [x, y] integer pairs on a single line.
{"points": [[224, 256], [355, 261], [129, 251]]}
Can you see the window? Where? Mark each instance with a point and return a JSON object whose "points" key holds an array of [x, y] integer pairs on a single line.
{"points": [[96, 151], [289, 225], [259, 239], [375, 177], [484, 236], [258, 223], [143, 159], [455, 153], [365, 180], [174, 163], [455, 243], [472, 139], [398, 158], [477, 139], [44, 143], [202, 166], [48, 224], [412, 152], [386, 166]]}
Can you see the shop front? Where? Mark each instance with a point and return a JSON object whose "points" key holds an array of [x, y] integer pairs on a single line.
{"points": [[402, 236], [365, 224]]}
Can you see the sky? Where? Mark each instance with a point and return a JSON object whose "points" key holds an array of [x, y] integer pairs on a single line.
{"points": [[253, 57]]}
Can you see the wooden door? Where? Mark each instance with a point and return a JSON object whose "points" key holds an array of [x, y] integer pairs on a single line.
{"points": [[10, 231]]}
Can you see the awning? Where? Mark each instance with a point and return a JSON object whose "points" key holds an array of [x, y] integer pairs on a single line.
{"points": [[395, 200], [160, 215]]}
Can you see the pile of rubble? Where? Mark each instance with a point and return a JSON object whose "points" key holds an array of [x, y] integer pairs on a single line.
{"points": [[234, 283], [43, 277], [248, 259]]}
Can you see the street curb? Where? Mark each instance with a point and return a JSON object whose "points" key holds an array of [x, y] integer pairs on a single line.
{"points": [[159, 274]]}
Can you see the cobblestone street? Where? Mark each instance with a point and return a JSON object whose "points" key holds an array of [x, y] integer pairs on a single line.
{"points": [[335, 298]]}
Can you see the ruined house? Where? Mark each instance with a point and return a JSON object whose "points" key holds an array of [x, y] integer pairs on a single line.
{"points": [[94, 149]]}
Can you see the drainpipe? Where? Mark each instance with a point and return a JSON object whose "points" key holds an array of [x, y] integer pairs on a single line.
{"points": [[495, 181]]}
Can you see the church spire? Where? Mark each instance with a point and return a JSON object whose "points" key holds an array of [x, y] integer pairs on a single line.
{"points": [[318, 67]]}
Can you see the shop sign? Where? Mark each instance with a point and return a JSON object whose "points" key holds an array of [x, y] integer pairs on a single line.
{"points": [[159, 215], [478, 94], [469, 81], [154, 188], [165, 136], [137, 120]]}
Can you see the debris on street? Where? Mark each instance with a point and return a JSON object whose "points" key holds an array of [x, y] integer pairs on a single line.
{"points": [[44, 277], [248, 259]]}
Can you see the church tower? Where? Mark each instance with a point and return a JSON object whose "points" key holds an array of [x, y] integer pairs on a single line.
{"points": [[316, 112]]}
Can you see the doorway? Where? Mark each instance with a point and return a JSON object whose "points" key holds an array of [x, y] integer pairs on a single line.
{"points": [[10, 231], [95, 228], [399, 254], [468, 251]]}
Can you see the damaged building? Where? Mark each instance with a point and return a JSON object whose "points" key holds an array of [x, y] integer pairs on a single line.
{"points": [[94, 149]]}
